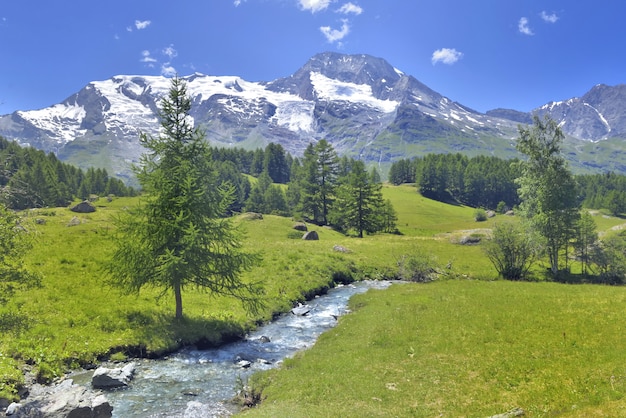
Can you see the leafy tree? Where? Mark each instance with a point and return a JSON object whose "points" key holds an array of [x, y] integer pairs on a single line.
{"points": [[511, 250], [586, 237], [13, 245], [178, 237], [547, 188], [610, 257]]}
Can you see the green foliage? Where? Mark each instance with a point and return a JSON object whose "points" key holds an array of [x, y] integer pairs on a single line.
{"points": [[417, 267], [30, 178], [610, 258], [318, 180], [585, 240], [512, 251], [480, 215], [477, 181], [547, 188], [14, 243], [359, 203], [177, 237]]}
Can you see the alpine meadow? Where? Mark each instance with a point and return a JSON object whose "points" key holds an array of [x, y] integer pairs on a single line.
{"points": [[507, 271]]}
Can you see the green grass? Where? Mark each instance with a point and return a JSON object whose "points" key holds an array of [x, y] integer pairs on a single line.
{"points": [[75, 319], [461, 348]]}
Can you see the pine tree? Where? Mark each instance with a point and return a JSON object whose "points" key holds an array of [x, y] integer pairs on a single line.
{"points": [[359, 202], [178, 237]]}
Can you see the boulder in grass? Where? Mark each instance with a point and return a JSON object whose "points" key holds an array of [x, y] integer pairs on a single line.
{"points": [[74, 221], [253, 216], [311, 236], [83, 207], [300, 226]]}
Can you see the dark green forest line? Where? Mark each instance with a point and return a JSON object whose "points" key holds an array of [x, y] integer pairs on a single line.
{"points": [[31, 178], [490, 182]]}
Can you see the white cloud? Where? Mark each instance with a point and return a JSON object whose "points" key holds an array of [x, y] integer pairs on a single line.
{"points": [[549, 18], [523, 26], [350, 8], [129, 28], [446, 55], [170, 52], [314, 5], [237, 3], [142, 24], [333, 35], [145, 57], [167, 70]]}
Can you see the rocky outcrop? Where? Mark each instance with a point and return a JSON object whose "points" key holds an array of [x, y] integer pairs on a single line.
{"points": [[62, 400], [105, 378], [300, 226], [83, 207]]}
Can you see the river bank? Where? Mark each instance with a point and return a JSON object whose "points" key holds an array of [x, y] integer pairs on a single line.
{"points": [[194, 382]]}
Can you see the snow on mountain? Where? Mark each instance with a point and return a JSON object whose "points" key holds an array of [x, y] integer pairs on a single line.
{"points": [[361, 104], [330, 89], [62, 121]]}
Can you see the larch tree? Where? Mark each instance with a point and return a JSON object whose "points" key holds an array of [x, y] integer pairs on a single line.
{"points": [[359, 203], [178, 236], [319, 180], [547, 188]]}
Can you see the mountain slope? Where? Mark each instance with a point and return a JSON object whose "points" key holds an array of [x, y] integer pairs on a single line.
{"points": [[361, 104]]}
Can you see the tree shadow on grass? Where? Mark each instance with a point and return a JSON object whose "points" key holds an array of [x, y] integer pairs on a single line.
{"points": [[13, 322], [160, 334]]}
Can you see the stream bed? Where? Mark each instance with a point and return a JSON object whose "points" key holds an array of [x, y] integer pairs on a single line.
{"points": [[199, 383]]}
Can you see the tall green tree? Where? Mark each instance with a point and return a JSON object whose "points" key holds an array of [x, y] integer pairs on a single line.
{"points": [[320, 169], [586, 238], [359, 202], [177, 237], [275, 163], [547, 188]]}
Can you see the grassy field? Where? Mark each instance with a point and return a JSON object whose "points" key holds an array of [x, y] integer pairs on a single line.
{"points": [[75, 319], [461, 348]]}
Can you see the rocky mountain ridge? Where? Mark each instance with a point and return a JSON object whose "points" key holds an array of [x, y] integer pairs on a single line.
{"points": [[361, 104]]}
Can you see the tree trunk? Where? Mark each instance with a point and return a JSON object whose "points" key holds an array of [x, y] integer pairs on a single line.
{"points": [[179, 300]]}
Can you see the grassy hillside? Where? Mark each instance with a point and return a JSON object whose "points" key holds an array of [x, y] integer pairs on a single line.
{"points": [[75, 319], [461, 348]]}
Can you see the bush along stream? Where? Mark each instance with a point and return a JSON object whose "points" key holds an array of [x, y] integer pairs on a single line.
{"points": [[199, 383]]}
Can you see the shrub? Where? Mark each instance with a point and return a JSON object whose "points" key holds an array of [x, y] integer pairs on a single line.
{"points": [[480, 215], [417, 268], [512, 251]]}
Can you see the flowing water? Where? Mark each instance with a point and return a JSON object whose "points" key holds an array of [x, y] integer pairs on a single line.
{"points": [[200, 383]]}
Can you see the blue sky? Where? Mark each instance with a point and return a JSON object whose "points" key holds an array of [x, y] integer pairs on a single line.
{"points": [[517, 54]]}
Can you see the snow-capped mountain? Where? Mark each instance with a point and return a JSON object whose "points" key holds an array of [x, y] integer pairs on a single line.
{"points": [[361, 104], [599, 114]]}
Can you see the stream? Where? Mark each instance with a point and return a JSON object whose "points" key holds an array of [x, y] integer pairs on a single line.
{"points": [[199, 383]]}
